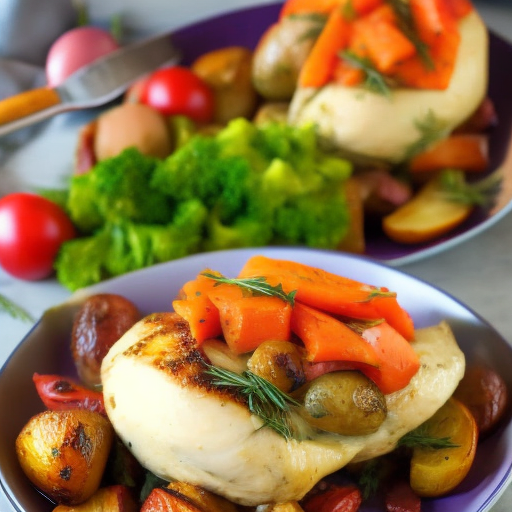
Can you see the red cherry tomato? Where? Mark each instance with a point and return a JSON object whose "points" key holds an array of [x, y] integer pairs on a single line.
{"points": [[178, 91], [32, 229], [77, 48]]}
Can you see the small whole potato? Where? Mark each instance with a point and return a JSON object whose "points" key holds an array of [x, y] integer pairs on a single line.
{"points": [[345, 402], [279, 362], [64, 453], [99, 323], [131, 125], [228, 72], [280, 55]]}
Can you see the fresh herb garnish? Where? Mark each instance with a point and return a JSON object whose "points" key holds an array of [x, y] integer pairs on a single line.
{"points": [[374, 81], [269, 403], [13, 310], [420, 437], [431, 130], [406, 24], [256, 285], [453, 182], [369, 479]]}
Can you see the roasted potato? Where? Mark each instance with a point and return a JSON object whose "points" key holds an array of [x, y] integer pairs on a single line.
{"points": [[99, 323], [280, 54], [228, 72], [484, 393], [279, 362], [116, 498], [64, 453], [344, 402], [437, 471]]}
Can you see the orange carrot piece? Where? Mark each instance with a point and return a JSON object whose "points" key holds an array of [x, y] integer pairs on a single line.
{"points": [[332, 293], [432, 19], [345, 74], [329, 339], [397, 360], [385, 44], [460, 8], [469, 152], [321, 61], [201, 285], [293, 7], [249, 321], [202, 316]]}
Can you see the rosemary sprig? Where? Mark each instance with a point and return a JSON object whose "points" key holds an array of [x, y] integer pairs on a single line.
{"points": [[256, 285], [374, 81], [269, 403], [420, 437], [431, 130], [14, 311], [453, 182], [407, 27]]}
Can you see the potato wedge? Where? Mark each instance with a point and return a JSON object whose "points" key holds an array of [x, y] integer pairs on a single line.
{"points": [[64, 453], [115, 498], [435, 472], [428, 215], [228, 72]]}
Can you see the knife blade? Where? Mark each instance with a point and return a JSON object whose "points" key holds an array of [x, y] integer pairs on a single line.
{"points": [[91, 86]]}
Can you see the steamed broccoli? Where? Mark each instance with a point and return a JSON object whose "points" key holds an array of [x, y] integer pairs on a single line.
{"points": [[246, 186], [118, 187]]}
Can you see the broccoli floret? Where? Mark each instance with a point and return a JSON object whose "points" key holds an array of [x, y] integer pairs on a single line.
{"points": [[118, 187], [124, 246], [316, 220]]}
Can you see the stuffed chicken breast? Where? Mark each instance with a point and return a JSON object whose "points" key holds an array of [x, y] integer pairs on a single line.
{"points": [[163, 405]]}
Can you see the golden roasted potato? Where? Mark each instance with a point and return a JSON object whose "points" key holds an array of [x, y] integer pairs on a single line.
{"points": [[271, 112], [115, 498], [228, 72], [64, 453], [435, 472], [101, 320]]}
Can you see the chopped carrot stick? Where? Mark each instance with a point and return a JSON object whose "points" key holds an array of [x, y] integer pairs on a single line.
{"points": [[432, 19], [469, 152], [321, 61], [397, 360], [249, 321], [332, 293], [460, 8], [292, 7], [202, 316], [201, 285], [329, 339], [385, 44]]}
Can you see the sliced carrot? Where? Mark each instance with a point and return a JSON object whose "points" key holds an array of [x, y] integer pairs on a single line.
{"points": [[385, 44], [249, 321], [200, 286], [202, 316], [328, 339], [293, 7], [321, 61], [397, 360], [332, 293], [460, 8], [469, 152], [345, 74], [432, 19]]}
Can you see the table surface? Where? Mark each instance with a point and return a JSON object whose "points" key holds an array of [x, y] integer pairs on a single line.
{"points": [[477, 272]]}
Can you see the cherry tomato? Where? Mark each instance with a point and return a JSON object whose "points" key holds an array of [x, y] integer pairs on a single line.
{"points": [[77, 48], [32, 229], [178, 91]]}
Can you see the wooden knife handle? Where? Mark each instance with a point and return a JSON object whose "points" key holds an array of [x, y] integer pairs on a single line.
{"points": [[26, 103]]}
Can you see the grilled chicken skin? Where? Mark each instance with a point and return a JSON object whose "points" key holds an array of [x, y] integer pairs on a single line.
{"points": [[179, 426]]}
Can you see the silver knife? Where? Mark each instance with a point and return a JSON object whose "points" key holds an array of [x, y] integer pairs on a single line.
{"points": [[91, 86]]}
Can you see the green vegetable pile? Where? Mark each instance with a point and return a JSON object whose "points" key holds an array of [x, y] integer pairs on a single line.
{"points": [[247, 186]]}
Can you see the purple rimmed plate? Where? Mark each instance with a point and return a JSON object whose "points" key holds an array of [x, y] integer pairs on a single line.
{"points": [[46, 349], [245, 27]]}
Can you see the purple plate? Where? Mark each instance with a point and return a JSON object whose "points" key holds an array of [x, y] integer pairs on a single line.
{"points": [[46, 349], [245, 27]]}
